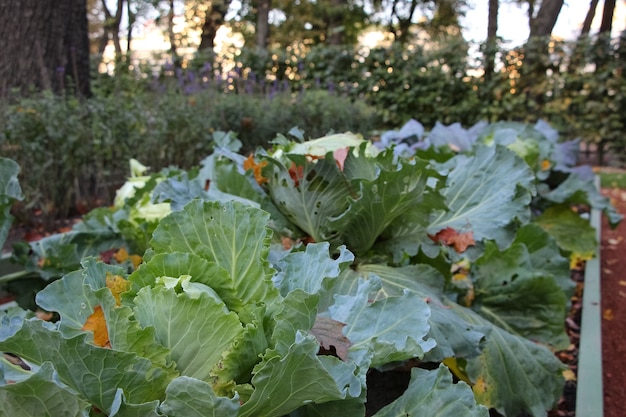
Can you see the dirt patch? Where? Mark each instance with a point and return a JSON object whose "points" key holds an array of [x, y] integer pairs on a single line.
{"points": [[613, 293]]}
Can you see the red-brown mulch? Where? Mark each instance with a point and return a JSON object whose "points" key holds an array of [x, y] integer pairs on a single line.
{"points": [[613, 299]]}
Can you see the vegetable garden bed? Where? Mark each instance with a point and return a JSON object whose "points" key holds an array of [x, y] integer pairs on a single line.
{"points": [[333, 259]]}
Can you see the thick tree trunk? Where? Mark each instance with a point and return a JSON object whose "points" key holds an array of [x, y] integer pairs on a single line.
{"points": [[262, 23], [45, 43], [579, 49], [543, 24]]}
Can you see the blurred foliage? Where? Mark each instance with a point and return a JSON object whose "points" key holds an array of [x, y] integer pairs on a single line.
{"points": [[74, 152]]}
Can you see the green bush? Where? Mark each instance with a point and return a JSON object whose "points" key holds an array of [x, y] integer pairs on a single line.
{"points": [[74, 153]]}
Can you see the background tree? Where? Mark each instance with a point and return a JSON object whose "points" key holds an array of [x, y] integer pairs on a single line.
{"points": [[491, 45], [45, 44]]}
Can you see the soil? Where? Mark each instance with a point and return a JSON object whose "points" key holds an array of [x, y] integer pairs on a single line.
{"points": [[613, 299]]}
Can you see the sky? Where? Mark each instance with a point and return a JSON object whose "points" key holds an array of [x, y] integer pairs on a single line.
{"points": [[513, 20]]}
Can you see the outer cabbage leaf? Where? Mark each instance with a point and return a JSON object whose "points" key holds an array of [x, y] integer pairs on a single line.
{"points": [[10, 191], [232, 235], [513, 374], [513, 295], [433, 393], [392, 328], [455, 336], [309, 269], [572, 233], [576, 189], [189, 397], [75, 297], [41, 395], [485, 194], [281, 388], [195, 330], [95, 373]]}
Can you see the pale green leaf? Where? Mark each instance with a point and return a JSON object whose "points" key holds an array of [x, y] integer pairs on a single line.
{"points": [[433, 394], [275, 394], [190, 397], [232, 235], [485, 194], [393, 328], [571, 232], [455, 336], [95, 373], [41, 395], [195, 330], [309, 269]]}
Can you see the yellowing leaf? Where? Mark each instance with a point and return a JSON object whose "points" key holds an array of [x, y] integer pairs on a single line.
{"points": [[577, 259], [545, 165], [97, 324], [453, 365], [117, 285], [480, 386], [569, 375], [256, 168]]}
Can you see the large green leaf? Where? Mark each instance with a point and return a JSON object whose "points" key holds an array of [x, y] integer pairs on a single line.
{"points": [[75, 297], [392, 328], [95, 373], [41, 395], [513, 374], [196, 329], [392, 190], [320, 194], [572, 233], [10, 191], [232, 235], [189, 397], [309, 269], [576, 189], [433, 393], [513, 295], [486, 193], [312, 378], [455, 336]]}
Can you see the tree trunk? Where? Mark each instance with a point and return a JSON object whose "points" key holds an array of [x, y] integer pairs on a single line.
{"points": [[591, 13], [45, 43], [492, 38], [543, 24], [262, 23], [607, 17], [213, 20], [579, 49], [335, 17]]}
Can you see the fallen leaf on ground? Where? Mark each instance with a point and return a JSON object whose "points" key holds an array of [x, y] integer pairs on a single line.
{"points": [[608, 314], [615, 242], [622, 283]]}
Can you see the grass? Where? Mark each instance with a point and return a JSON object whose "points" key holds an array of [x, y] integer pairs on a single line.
{"points": [[612, 178]]}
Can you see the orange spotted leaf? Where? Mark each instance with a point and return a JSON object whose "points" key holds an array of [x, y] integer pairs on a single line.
{"points": [[296, 173], [450, 237], [97, 324]]}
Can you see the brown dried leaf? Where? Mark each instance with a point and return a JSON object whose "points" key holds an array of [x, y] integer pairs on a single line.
{"points": [[450, 237], [329, 333]]}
